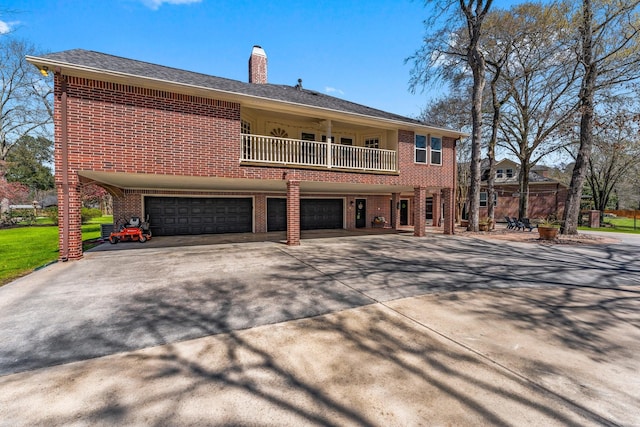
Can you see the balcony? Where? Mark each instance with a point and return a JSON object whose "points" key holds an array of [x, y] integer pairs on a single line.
{"points": [[314, 154]]}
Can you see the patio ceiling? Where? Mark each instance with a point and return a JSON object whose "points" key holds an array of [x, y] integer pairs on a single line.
{"points": [[191, 183]]}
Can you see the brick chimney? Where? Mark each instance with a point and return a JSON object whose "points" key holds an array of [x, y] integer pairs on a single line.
{"points": [[258, 66]]}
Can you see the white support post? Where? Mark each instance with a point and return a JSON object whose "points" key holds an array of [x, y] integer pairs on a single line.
{"points": [[329, 149]]}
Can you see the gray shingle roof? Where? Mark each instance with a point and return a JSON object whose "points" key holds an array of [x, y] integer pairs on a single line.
{"points": [[289, 94]]}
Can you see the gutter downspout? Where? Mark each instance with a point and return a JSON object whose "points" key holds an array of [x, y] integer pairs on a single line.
{"points": [[64, 153]]}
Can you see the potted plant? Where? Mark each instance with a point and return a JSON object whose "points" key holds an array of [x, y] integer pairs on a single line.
{"points": [[484, 224], [548, 229]]}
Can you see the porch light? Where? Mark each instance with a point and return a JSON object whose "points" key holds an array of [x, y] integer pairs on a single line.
{"points": [[44, 71]]}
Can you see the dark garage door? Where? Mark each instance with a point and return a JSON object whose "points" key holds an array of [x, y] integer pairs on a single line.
{"points": [[276, 214], [317, 214], [171, 216]]}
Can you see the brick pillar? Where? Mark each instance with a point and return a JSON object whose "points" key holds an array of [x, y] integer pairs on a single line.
{"points": [[70, 240], [419, 211], [293, 213], [436, 209], [594, 219], [449, 219], [260, 213], [395, 215]]}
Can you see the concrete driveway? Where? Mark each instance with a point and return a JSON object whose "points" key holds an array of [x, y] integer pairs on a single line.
{"points": [[364, 330]]}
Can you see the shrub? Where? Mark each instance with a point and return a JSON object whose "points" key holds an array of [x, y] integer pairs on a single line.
{"points": [[52, 214], [90, 213]]}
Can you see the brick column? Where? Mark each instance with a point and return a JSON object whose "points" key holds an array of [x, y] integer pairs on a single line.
{"points": [[395, 215], [293, 213], [260, 213], [436, 209], [449, 219], [419, 211], [70, 240]]}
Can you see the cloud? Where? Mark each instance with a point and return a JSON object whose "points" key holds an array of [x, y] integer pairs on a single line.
{"points": [[155, 4], [6, 27], [329, 89]]}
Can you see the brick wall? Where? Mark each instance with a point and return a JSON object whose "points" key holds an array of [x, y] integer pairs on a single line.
{"points": [[121, 128]]}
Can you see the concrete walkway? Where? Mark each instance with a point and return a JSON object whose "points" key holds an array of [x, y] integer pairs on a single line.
{"points": [[364, 330]]}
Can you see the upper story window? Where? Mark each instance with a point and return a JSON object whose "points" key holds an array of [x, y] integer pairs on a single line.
{"points": [[500, 173], [436, 150], [308, 136], [421, 149], [509, 173], [245, 127], [346, 141], [372, 142]]}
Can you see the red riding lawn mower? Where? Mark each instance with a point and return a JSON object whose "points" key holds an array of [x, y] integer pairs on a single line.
{"points": [[132, 230]]}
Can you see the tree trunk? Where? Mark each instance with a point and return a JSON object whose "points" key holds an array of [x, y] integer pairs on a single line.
{"points": [[574, 194], [523, 178], [476, 61]]}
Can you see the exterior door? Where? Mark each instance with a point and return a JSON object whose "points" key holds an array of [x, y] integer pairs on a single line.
{"points": [[276, 214], [404, 212], [361, 213]]}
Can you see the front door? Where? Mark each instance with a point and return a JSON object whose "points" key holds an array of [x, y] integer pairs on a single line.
{"points": [[361, 213], [404, 212]]}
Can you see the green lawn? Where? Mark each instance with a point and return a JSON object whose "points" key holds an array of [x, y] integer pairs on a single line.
{"points": [[618, 225], [26, 248]]}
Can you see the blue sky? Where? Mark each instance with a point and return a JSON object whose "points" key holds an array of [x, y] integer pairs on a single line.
{"points": [[351, 49]]}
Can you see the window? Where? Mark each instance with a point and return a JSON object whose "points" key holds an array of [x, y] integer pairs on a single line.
{"points": [[500, 173], [436, 150], [346, 141], [483, 199], [509, 173], [308, 136], [245, 129], [421, 149], [372, 142]]}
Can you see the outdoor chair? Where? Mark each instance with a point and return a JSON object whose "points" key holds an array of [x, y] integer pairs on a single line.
{"points": [[517, 224], [511, 223], [526, 224]]}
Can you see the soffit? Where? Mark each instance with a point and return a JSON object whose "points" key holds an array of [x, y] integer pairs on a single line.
{"points": [[190, 183]]}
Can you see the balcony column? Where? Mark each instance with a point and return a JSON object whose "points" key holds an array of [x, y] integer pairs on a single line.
{"points": [[419, 211], [329, 141], [436, 208], [448, 198], [395, 215], [293, 213]]}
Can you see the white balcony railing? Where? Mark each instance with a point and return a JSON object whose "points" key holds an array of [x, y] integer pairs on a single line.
{"points": [[285, 151]]}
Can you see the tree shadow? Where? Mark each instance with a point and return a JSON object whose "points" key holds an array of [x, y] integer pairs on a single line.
{"points": [[320, 284]]}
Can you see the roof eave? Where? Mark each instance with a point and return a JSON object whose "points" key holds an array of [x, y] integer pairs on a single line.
{"points": [[244, 99]]}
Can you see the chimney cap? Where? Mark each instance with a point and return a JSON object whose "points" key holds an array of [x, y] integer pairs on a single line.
{"points": [[258, 50]]}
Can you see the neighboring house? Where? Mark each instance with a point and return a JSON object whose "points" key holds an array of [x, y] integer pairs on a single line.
{"points": [[201, 154], [547, 196]]}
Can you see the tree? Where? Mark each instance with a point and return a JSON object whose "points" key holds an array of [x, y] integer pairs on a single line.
{"points": [[542, 82], [615, 155], [450, 112], [26, 100], [26, 163], [427, 68], [609, 53]]}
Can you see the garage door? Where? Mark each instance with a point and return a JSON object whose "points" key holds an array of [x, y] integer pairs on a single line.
{"points": [[276, 214], [316, 214], [171, 216]]}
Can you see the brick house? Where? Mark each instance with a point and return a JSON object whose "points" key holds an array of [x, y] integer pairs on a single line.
{"points": [[200, 154], [547, 196]]}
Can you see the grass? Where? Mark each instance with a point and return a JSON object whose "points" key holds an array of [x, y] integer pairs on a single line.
{"points": [[618, 225], [24, 249]]}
